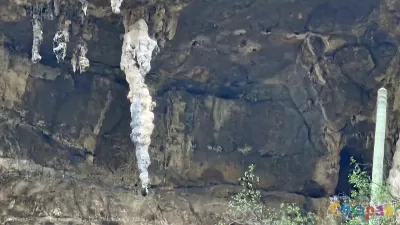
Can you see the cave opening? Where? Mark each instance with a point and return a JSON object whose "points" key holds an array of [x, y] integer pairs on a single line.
{"points": [[343, 186]]}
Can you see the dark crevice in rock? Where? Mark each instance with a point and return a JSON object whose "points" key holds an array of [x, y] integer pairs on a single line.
{"points": [[343, 186], [312, 189], [231, 92], [104, 64], [308, 126], [197, 88], [344, 127]]}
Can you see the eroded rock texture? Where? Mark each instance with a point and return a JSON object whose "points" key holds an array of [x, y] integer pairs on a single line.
{"points": [[285, 85]]}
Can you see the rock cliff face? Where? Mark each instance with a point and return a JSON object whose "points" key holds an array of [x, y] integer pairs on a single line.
{"points": [[286, 85]]}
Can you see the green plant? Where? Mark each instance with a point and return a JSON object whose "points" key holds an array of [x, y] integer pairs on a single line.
{"points": [[360, 180], [361, 193], [247, 208]]}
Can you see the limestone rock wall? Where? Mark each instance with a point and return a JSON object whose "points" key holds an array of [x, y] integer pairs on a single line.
{"points": [[284, 85]]}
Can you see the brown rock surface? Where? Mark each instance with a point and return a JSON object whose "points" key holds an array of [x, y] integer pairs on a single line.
{"points": [[285, 85]]}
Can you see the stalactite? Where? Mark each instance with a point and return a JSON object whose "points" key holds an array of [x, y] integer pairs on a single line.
{"points": [[37, 39], [56, 4], [137, 50], [116, 5], [79, 60], [38, 12], [60, 40], [84, 5], [37, 30]]}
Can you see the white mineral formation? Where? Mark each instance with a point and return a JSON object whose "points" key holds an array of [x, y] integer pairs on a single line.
{"points": [[79, 60], [37, 36], [56, 4], [60, 40], [137, 52], [84, 5], [116, 5]]}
